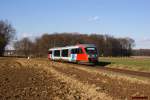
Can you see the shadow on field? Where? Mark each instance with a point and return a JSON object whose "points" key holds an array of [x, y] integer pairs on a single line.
{"points": [[103, 63]]}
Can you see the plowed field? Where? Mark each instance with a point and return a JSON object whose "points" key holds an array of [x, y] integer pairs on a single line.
{"points": [[41, 79]]}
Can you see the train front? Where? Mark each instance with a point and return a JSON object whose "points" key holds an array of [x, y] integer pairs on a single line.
{"points": [[92, 54]]}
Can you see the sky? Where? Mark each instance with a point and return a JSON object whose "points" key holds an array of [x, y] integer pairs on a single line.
{"points": [[118, 18]]}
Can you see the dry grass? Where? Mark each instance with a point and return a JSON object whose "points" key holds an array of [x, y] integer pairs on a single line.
{"points": [[129, 63]]}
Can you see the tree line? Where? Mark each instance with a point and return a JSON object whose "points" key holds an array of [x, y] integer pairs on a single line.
{"points": [[141, 52], [107, 45]]}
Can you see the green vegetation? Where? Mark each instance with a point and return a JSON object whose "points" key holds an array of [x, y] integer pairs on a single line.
{"points": [[129, 63]]}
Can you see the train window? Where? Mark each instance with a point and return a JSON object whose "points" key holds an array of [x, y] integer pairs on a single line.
{"points": [[57, 53], [73, 51], [76, 51], [80, 51], [65, 53], [91, 50], [49, 52]]}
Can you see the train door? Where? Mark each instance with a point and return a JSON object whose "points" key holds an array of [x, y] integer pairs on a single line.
{"points": [[73, 54], [50, 54], [81, 55]]}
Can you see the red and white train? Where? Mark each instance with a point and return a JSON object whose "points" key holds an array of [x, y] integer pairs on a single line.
{"points": [[86, 53]]}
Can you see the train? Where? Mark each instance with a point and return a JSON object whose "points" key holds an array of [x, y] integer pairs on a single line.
{"points": [[81, 53]]}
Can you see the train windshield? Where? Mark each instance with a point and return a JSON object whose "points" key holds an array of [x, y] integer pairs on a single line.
{"points": [[91, 50]]}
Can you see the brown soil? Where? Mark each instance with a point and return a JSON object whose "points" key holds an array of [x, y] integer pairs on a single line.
{"points": [[121, 89], [18, 82], [22, 79]]}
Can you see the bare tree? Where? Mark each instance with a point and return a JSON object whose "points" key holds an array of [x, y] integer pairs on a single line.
{"points": [[107, 45], [24, 47], [7, 32]]}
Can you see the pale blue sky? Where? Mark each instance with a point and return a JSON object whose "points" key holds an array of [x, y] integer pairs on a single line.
{"points": [[120, 18]]}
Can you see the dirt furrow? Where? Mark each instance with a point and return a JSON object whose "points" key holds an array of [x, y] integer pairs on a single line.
{"points": [[118, 88], [34, 81], [101, 67], [136, 73], [42, 79], [38, 80]]}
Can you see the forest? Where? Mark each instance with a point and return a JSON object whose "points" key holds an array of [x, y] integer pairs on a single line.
{"points": [[107, 45]]}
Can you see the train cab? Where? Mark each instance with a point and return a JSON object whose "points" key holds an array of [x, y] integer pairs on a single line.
{"points": [[91, 53]]}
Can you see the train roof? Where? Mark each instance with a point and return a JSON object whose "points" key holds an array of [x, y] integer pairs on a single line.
{"points": [[73, 46], [87, 45]]}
